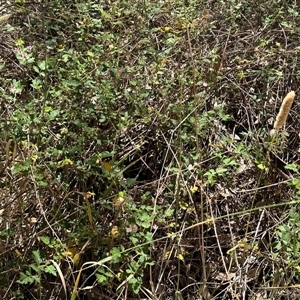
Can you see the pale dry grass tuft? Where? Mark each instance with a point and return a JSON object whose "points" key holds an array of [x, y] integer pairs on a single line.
{"points": [[284, 110]]}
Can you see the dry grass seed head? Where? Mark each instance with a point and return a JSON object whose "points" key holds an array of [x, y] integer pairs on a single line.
{"points": [[284, 110]]}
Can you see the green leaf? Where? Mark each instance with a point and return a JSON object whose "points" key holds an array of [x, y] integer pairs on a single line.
{"points": [[101, 278], [169, 212], [116, 254], [25, 278], [53, 114], [36, 84], [51, 270], [18, 168], [35, 267], [130, 181], [262, 166], [36, 278], [135, 284], [221, 170], [294, 214], [42, 65], [37, 256], [74, 83], [292, 167], [45, 240], [134, 240], [36, 69]]}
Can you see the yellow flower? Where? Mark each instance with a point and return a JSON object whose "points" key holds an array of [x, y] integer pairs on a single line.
{"points": [[194, 189], [90, 54], [180, 256], [64, 130], [20, 42], [66, 161], [167, 255], [114, 231], [183, 205]]}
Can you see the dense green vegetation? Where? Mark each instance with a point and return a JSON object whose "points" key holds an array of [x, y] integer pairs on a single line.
{"points": [[136, 156]]}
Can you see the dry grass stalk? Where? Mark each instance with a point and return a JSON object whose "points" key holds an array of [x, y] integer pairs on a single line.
{"points": [[284, 110]]}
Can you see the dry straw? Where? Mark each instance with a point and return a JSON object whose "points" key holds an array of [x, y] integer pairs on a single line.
{"points": [[284, 110], [4, 18]]}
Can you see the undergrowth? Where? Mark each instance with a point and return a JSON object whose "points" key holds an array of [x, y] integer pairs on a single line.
{"points": [[136, 156]]}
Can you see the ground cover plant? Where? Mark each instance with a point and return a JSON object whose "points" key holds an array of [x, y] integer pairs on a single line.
{"points": [[138, 155]]}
